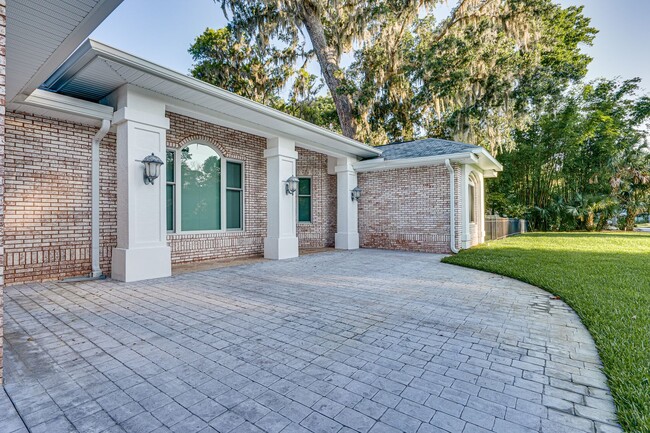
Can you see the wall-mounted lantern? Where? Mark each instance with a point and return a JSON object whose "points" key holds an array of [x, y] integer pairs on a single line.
{"points": [[356, 193], [291, 185], [151, 168]]}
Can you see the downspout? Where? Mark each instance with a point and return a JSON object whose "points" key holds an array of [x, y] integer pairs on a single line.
{"points": [[452, 206], [97, 139]]}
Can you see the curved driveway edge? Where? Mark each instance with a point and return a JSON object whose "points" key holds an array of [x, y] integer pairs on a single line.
{"points": [[365, 340]]}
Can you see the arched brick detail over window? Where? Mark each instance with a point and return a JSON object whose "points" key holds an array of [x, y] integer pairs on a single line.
{"points": [[202, 139]]}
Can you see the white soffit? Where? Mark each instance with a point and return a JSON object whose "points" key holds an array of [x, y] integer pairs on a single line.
{"points": [[95, 70], [41, 34]]}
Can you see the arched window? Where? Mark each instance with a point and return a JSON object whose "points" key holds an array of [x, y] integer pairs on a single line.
{"points": [[205, 192], [471, 193], [200, 188]]}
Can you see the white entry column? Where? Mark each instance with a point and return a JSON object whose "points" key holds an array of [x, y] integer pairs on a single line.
{"points": [[281, 240], [142, 250], [347, 227]]}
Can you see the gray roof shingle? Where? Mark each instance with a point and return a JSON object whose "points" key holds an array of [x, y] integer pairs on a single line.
{"points": [[424, 147]]}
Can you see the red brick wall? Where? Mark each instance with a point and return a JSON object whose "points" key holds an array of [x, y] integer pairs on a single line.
{"points": [[407, 209], [320, 232], [3, 16], [232, 144], [47, 197]]}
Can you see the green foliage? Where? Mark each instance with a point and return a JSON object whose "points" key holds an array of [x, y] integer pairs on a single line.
{"points": [[226, 59], [604, 278], [582, 161], [471, 76]]}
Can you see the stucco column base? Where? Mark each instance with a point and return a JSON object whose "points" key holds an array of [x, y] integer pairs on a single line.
{"points": [[346, 241], [280, 248], [135, 264]]}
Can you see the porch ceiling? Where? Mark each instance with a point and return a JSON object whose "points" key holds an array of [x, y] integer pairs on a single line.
{"points": [[42, 34]]}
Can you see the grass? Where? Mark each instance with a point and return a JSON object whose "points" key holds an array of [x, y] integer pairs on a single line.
{"points": [[605, 278]]}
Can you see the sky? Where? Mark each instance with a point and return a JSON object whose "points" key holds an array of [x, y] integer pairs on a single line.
{"points": [[161, 31]]}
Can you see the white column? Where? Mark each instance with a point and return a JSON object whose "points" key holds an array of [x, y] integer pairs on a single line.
{"points": [[142, 251], [347, 227], [465, 235], [481, 206], [281, 240]]}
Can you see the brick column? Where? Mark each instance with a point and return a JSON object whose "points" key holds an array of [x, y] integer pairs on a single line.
{"points": [[3, 20]]}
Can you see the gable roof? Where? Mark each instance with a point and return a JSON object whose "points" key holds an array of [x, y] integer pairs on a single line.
{"points": [[423, 148]]}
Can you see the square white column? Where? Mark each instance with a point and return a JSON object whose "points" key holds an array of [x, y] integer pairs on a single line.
{"points": [[281, 240], [481, 206], [142, 252], [465, 235], [347, 220]]}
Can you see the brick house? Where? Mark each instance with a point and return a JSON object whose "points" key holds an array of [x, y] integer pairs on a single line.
{"points": [[80, 120]]}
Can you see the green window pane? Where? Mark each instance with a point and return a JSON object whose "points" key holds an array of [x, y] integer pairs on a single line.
{"points": [[304, 209], [170, 208], [304, 186], [233, 209], [472, 209], [200, 188], [170, 166], [233, 175]]}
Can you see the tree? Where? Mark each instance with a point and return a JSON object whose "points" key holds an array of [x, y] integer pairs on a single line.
{"points": [[582, 160], [467, 76], [474, 76], [226, 59]]}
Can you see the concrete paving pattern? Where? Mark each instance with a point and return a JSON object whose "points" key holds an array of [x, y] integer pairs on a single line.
{"points": [[367, 341]]}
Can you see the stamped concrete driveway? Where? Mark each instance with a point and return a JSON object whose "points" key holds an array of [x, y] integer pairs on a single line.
{"points": [[345, 341]]}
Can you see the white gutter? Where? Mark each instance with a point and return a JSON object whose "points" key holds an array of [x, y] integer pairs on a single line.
{"points": [[65, 104], [452, 207], [379, 164], [97, 139]]}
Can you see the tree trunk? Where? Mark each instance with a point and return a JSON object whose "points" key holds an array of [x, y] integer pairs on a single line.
{"points": [[590, 225], [332, 73], [630, 219]]}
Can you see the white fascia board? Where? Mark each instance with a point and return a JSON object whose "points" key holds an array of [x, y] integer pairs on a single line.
{"points": [[487, 161], [244, 125], [380, 164], [66, 104], [100, 11], [92, 48]]}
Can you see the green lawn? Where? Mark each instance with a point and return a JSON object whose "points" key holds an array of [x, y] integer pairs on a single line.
{"points": [[605, 278]]}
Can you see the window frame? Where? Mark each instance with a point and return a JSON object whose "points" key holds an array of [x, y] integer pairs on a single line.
{"points": [[471, 198], [243, 194], [178, 192], [173, 184], [311, 200]]}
